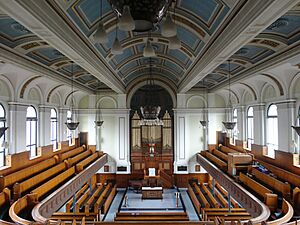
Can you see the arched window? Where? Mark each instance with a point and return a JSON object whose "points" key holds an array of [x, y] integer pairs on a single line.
{"points": [[69, 133], [250, 127], [2, 139], [235, 130], [31, 131], [272, 130], [53, 125]]}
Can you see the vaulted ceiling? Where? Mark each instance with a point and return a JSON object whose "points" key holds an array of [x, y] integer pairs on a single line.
{"points": [[49, 35]]}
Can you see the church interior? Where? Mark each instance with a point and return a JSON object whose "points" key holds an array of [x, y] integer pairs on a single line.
{"points": [[150, 112]]}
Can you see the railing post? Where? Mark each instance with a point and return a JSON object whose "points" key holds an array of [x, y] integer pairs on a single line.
{"points": [[229, 208], [213, 187], [74, 202]]}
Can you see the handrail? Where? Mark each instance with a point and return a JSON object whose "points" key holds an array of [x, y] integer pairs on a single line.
{"points": [[254, 206], [289, 212], [54, 201]]}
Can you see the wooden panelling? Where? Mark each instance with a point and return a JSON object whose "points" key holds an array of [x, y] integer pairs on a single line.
{"points": [[182, 180]]}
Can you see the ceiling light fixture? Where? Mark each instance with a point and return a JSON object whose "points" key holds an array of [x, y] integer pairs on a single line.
{"points": [[148, 50], [229, 125], [168, 28], [100, 35], [116, 48], [126, 22], [72, 125]]}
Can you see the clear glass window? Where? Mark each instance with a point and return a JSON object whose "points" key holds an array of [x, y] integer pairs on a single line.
{"points": [[2, 139], [53, 126], [272, 130], [250, 127], [31, 131]]}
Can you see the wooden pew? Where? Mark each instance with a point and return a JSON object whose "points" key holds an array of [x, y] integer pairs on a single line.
{"points": [[10, 179], [277, 185], [210, 196], [91, 199], [71, 153], [218, 162], [71, 216], [72, 161], [194, 199], [19, 188], [288, 176], [26, 202], [48, 186], [77, 196], [4, 201], [81, 165], [288, 211], [227, 150], [220, 155], [225, 194], [151, 216], [97, 205], [81, 200], [201, 196], [109, 199]]}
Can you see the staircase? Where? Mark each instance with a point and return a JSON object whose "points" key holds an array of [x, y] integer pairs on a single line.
{"points": [[166, 180]]}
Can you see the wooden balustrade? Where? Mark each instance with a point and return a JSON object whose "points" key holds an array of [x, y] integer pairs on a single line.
{"points": [[54, 201], [288, 211], [253, 205]]}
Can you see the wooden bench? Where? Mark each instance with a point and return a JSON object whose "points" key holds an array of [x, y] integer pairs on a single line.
{"points": [[227, 150], [81, 200], [225, 195], [91, 199], [288, 211], [26, 202], [4, 201], [100, 200], [277, 185], [77, 196], [238, 162], [152, 216], [109, 199], [194, 199], [71, 153], [19, 188], [74, 160], [49, 185], [10, 179], [218, 162], [220, 155], [233, 214], [201, 196], [258, 188], [210, 196], [81, 165], [71, 216], [285, 175]]}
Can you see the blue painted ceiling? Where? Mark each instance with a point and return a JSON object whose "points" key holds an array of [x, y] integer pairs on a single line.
{"points": [[197, 21]]}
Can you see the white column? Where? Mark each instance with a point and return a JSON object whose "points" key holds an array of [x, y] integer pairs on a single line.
{"points": [[286, 119], [17, 127], [44, 125], [241, 122], [259, 124], [62, 127]]}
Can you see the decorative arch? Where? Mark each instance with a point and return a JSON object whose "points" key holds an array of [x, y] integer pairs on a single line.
{"points": [[9, 85], [51, 92], [195, 97], [109, 98], [25, 84], [138, 83], [264, 88], [38, 89], [293, 84], [274, 82]]}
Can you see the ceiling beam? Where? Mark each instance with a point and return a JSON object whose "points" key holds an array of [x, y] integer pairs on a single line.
{"points": [[56, 29], [250, 19]]}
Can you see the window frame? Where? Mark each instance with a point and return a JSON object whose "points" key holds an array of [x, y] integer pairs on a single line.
{"points": [[69, 132], [32, 147], [235, 119], [272, 146], [250, 140], [3, 138], [53, 123]]}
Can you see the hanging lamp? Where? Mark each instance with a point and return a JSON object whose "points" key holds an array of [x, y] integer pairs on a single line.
{"points": [[174, 42], [126, 22], [204, 122], [98, 122], [100, 35], [72, 125], [116, 48], [168, 28], [148, 49], [229, 125]]}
